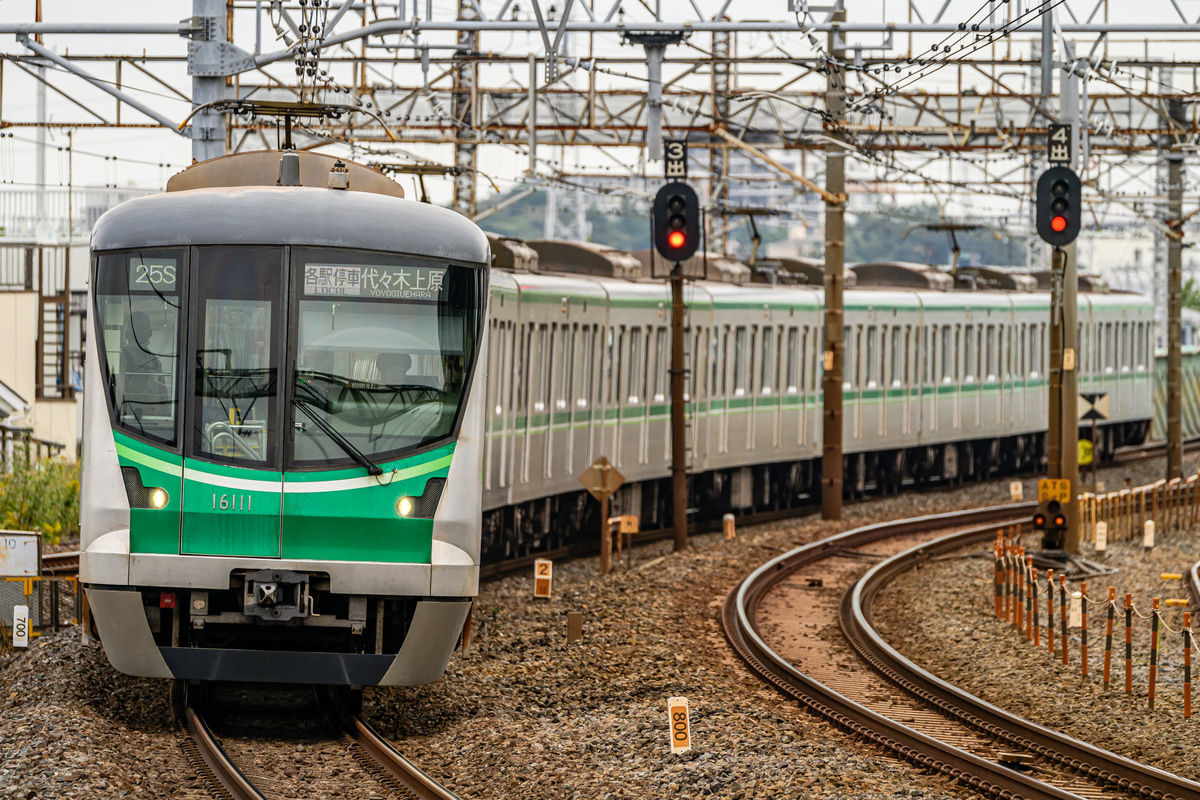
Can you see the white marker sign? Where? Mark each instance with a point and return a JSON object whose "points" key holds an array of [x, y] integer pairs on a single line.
{"points": [[1075, 612], [20, 626], [681, 726], [1148, 534], [1016, 490], [1101, 537], [18, 554]]}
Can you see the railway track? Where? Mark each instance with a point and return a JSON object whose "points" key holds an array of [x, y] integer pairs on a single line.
{"points": [[778, 621], [377, 761]]}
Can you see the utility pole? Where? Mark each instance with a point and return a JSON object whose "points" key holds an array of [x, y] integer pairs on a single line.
{"points": [[465, 84], [835, 278], [678, 419], [1174, 297], [1069, 382]]}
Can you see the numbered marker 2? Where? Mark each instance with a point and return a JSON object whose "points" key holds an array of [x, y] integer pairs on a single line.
{"points": [[543, 573], [681, 726], [20, 626]]}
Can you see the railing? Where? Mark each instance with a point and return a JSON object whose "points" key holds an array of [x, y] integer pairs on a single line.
{"points": [[19, 445]]}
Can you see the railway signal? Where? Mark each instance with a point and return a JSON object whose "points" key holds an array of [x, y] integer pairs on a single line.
{"points": [[1059, 206], [676, 222], [1052, 519]]}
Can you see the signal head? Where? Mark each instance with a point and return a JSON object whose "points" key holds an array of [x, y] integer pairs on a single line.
{"points": [[676, 222], [1059, 206]]}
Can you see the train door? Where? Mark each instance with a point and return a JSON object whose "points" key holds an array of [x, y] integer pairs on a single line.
{"points": [[232, 481]]}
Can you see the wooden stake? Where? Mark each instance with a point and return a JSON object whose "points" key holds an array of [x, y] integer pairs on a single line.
{"points": [[1037, 629], [1154, 618], [1187, 664], [1050, 610], [1083, 598], [1128, 643], [1112, 612], [1062, 597]]}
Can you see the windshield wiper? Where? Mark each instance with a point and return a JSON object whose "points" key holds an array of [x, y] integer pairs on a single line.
{"points": [[331, 432]]}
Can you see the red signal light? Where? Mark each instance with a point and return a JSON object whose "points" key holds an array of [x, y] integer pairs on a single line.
{"points": [[1058, 224], [1060, 520], [676, 239], [1039, 520]]}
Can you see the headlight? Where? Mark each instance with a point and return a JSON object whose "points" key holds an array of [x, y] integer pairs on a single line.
{"points": [[159, 498], [404, 506]]}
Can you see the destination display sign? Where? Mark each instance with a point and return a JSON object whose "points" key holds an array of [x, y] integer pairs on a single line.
{"points": [[160, 275], [395, 283]]}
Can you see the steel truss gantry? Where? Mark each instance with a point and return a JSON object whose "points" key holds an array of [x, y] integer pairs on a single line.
{"points": [[942, 100]]}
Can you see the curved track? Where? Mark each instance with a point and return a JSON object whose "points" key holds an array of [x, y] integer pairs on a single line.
{"points": [[892, 702]]}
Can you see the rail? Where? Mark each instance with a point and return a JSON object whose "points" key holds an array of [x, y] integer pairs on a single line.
{"points": [[1095, 762], [981, 774], [214, 760]]}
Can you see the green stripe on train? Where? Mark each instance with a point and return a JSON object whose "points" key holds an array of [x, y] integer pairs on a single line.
{"points": [[338, 515]]}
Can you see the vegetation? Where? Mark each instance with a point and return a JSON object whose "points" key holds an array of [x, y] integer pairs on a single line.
{"points": [[1191, 294], [869, 237], [877, 237], [42, 496]]}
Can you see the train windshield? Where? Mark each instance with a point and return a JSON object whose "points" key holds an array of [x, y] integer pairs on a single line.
{"points": [[137, 314], [383, 351], [338, 358]]}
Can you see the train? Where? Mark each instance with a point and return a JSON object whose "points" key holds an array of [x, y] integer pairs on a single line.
{"points": [[314, 408], [283, 426], [945, 382]]}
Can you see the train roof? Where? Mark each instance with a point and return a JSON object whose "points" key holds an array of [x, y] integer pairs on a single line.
{"points": [[291, 215]]}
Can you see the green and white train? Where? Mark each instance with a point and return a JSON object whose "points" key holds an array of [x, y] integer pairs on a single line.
{"points": [[942, 384], [283, 426], [303, 436]]}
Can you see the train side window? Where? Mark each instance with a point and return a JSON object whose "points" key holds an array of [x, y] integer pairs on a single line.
{"points": [[724, 362], [660, 364], [751, 358], [739, 358], [898, 358], [988, 368], [1126, 347], [587, 363], [609, 369], [1140, 346], [948, 358], [908, 344], [969, 354], [766, 362], [793, 338], [929, 362], [856, 364], [872, 357], [635, 359], [849, 365], [539, 389], [618, 360]]}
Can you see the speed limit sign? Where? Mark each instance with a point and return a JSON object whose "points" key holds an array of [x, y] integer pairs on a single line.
{"points": [[20, 626]]}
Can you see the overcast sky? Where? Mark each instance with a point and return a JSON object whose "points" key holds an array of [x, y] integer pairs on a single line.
{"points": [[139, 152]]}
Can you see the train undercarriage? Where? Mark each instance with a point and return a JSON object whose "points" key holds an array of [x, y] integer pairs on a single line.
{"points": [[549, 523]]}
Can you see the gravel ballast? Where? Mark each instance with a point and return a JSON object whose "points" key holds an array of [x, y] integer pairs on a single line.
{"points": [[524, 712], [943, 617]]}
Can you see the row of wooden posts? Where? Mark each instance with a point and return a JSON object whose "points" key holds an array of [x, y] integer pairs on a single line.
{"points": [[1122, 515], [1017, 593]]}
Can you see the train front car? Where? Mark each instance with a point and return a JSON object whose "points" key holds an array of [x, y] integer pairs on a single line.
{"points": [[282, 434]]}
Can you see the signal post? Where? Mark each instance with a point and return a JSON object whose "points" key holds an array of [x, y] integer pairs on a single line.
{"points": [[676, 234], [1059, 216]]}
